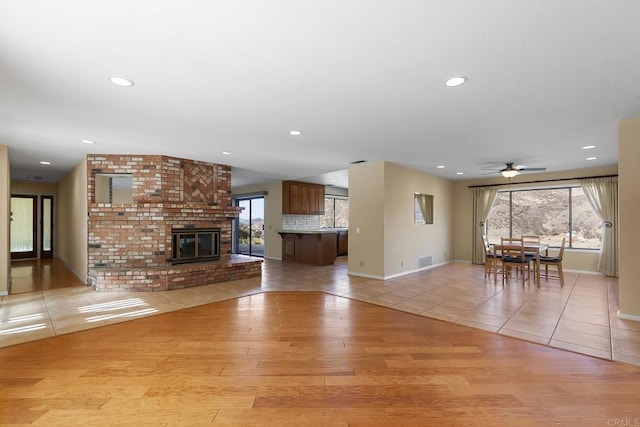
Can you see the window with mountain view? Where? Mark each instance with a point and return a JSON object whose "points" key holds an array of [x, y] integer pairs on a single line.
{"points": [[550, 213], [336, 213]]}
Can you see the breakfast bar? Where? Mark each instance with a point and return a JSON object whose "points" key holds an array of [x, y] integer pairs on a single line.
{"points": [[315, 247]]}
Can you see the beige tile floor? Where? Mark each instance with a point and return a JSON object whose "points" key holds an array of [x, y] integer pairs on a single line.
{"points": [[580, 317]]}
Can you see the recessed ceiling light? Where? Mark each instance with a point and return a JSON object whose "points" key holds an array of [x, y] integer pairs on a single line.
{"points": [[588, 147], [591, 158], [87, 141], [121, 81], [440, 166], [455, 81], [226, 153], [459, 173], [295, 132], [45, 163]]}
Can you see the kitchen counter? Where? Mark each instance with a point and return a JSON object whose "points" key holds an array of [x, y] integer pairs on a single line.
{"points": [[315, 247]]}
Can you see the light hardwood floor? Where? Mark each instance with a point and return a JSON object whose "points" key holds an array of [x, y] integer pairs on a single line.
{"points": [[349, 351]]}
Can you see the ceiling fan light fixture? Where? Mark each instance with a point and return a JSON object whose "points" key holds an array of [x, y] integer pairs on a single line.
{"points": [[509, 173]]}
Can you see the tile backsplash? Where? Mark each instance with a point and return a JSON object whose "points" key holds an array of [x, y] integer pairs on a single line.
{"points": [[300, 222]]}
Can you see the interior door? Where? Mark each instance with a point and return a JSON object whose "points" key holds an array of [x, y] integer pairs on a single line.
{"points": [[23, 227], [250, 227], [46, 226]]}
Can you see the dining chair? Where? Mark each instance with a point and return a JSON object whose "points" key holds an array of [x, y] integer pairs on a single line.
{"points": [[554, 261], [490, 260], [513, 258], [530, 238]]}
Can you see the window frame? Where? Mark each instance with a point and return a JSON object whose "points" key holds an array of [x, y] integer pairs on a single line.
{"points": [[569, 243], [333, 213]]}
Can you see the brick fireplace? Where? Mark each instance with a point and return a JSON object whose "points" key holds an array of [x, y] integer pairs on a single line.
{"points": [[131, 239]]}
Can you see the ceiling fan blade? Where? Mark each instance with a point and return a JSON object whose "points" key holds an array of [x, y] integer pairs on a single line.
{"points": [[532, 169]]}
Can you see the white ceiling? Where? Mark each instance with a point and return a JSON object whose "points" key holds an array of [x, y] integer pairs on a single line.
{"points": [[362, 79]]}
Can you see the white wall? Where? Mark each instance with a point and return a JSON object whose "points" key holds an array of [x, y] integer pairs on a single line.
{"points": [[71, 211], [366, 219], [629, 206], [5, 221], [381, 206]]}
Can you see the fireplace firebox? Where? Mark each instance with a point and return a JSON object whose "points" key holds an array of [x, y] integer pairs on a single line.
{"points": [[195, 244]]}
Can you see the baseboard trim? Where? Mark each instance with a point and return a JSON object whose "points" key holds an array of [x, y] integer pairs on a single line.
{"points": [[593, 273], [393, 276], [625, 316], [71, 269]]}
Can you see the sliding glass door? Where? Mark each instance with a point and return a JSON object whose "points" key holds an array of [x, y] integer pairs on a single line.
{"points": [[249, 227]]}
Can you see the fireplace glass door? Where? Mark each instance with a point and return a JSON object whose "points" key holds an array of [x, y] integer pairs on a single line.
{"points": [[195, 245]]}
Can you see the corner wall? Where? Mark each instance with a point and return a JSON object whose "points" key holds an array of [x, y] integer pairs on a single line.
{"points": [[71, 212], [381, 206], [5, 221], [366, 220], [629, 206]]}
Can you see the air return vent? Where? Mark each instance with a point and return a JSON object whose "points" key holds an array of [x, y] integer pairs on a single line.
{"points": [[424, 261]]}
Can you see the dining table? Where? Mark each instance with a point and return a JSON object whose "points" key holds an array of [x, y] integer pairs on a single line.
{"points": [[537, 248]]}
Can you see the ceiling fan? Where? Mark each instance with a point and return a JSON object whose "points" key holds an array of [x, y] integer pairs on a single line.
{"points": [[511, 170]]}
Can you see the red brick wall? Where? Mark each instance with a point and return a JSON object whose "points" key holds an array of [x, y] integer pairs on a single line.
{"points": [[167, 193]]}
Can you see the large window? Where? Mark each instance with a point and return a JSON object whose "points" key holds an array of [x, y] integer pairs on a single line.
{"points": [[550, 213], [336, 213]]}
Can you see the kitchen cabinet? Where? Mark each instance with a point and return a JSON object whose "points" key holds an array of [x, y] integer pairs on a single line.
{"points": [[288, 247], [309, 247], [343, 242], [302, 198]]}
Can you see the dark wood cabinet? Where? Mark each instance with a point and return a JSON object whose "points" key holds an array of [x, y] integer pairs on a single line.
{"points": [[316, 199], [315, 248], [302, 198], [343, 243], [288, 247]]}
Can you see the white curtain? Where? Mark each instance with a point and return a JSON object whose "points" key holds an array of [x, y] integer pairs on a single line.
{"points": [[483, 198], [425, 202], [602, 193]]}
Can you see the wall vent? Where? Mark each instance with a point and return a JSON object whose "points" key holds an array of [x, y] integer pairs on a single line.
{"points": [[424, 261]]}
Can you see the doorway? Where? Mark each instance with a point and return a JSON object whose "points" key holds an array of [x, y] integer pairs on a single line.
{"points": [[28, 241], [249, 227]]}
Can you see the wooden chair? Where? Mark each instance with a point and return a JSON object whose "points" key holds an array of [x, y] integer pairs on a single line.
{"points": [[513, 258], [554, 261], [530, 238], [534, 239], [490, 260]]}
